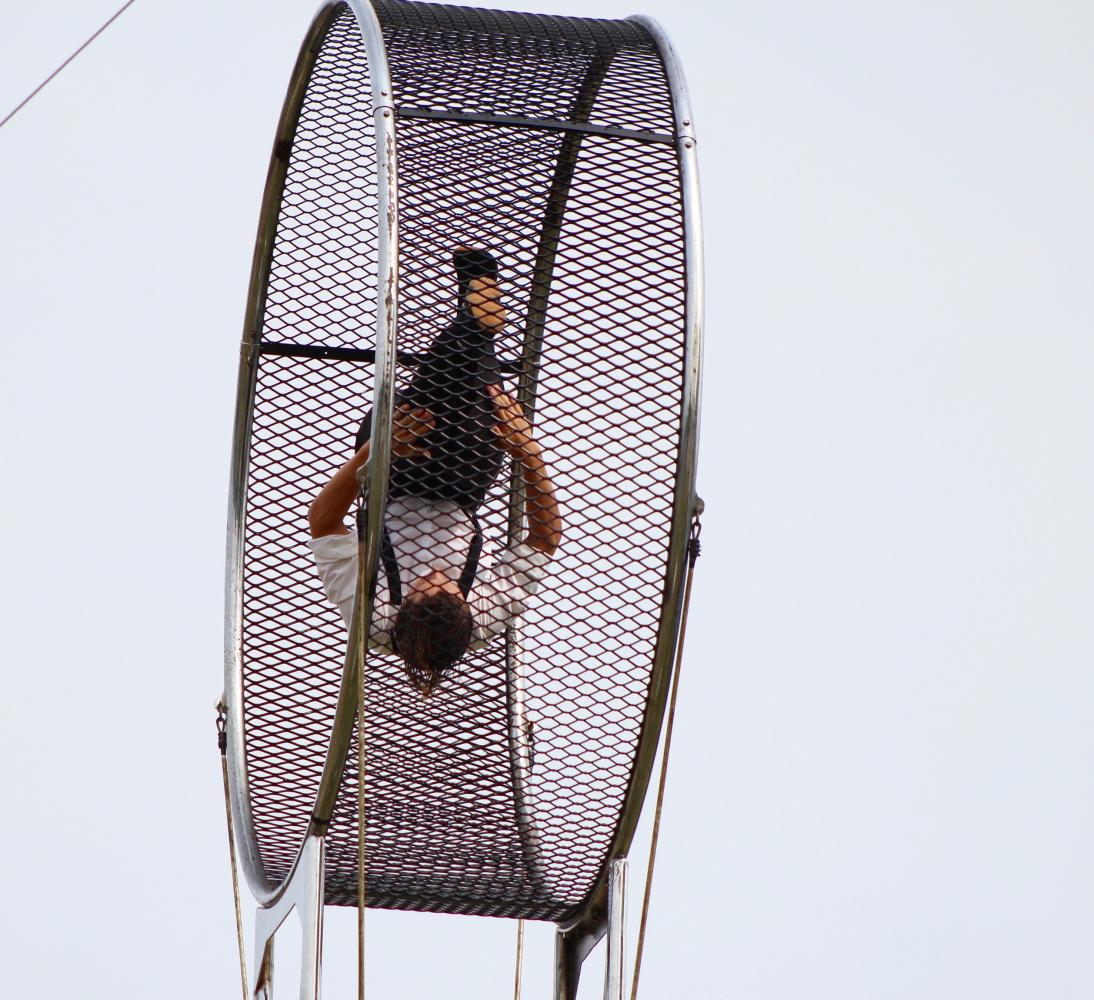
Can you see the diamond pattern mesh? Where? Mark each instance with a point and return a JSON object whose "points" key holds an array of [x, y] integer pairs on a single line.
{"points": [[501, 792]]}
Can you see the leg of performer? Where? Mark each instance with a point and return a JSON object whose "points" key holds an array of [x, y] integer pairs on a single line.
{"points": [[450, 382]]}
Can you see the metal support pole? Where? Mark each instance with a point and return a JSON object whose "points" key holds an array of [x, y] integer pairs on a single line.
{"points": [[615, 975], [305, 895], [264, 978], [567, 966], [311, 919]]}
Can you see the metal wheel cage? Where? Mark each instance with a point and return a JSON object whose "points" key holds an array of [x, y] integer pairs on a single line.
{"points": [[586, 924]]}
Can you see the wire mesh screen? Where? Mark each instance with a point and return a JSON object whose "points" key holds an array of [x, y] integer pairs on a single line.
{"points": [[541, 257]]}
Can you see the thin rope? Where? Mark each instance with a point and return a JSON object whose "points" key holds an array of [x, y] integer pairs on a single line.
{"points": [[360, 826], [520, 959], [693, 554], [362, 645], [26, 100], [222, 739]]}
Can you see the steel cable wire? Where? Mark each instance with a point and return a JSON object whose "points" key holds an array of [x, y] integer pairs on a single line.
{"points": [[26, 100], [693, 555]]}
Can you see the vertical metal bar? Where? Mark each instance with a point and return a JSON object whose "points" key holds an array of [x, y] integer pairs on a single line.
{"points": [[567, 967], [310, 908], [572, 947], [519, 974], [615, 974]]}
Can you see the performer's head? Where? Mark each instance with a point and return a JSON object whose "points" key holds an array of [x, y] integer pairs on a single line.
{"points": [[480, 297], [432, 629]]}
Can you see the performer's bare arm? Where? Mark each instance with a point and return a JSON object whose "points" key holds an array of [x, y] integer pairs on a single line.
{"points": [[540, 503], [328, 511]]}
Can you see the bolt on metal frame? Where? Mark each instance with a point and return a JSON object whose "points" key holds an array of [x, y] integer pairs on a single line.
{"points": [[580, 175]]}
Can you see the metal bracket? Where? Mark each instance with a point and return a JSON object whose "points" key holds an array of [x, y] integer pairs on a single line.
{"points": [[304, 893]]}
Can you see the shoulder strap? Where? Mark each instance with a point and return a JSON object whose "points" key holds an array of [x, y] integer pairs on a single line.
{"points": [[391, 567], [391, 564], [471, 566]]}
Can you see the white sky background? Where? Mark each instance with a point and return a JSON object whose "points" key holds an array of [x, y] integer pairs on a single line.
{"points": [[881, 780]]}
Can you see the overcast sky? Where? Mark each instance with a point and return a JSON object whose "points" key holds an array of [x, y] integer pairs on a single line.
{"points": [[881, 780]]}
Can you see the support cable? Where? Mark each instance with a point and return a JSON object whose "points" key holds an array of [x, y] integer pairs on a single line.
{"points": [[26, 100], [360, 828], [362, 645], [693, 554], [222, 742]]}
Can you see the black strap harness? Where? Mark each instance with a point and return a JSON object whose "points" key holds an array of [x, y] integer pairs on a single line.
{"points": [[391, 564]]}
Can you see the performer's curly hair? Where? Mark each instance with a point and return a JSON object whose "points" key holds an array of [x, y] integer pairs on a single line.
{"points": [[431, 634]]}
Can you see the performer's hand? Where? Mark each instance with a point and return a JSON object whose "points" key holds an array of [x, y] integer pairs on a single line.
{"points": [[408, 425], [513, 431]]}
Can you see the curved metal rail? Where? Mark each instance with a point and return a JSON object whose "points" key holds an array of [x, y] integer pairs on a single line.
{"points": [[266, 890]]}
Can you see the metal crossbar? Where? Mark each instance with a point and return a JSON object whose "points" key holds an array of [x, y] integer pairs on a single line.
{"points": [[550, 124], [363, 355]]}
